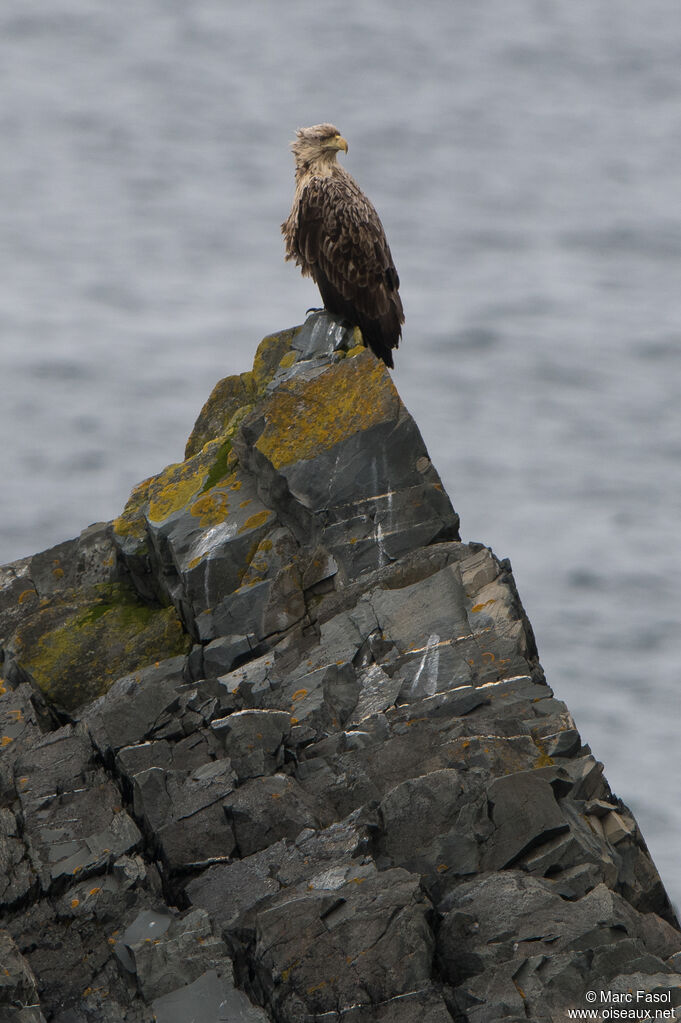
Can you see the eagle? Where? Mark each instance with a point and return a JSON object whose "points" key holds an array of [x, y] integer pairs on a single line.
{"points": [[335, 236]]}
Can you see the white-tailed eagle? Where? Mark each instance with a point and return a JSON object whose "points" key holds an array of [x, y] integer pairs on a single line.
{"points": [[336, 237]]}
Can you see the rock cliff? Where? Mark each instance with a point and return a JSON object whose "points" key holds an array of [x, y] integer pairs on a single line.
{"points": [[276, 745]]}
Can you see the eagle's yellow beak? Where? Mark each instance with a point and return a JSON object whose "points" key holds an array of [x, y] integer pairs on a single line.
{"points": [[337, 142]]}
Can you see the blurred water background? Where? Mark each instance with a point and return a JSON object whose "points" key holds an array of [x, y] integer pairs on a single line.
{"points": [[524, 157]]}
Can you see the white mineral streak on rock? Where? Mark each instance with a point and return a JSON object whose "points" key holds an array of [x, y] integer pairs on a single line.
{"points": [[378, 537], [430, 646], [390, 517], [378, 528], [338, 333], [425, 679], [374, 473], [505, 681], [329, 880], [318, 328], [379, 531], [378, 497], [211, 539]]}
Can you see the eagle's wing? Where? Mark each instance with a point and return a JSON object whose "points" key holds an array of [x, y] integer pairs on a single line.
{"points": [[339, 233]]}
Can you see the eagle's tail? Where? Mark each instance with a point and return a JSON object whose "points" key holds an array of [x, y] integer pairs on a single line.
{"points": [[381, 334]]}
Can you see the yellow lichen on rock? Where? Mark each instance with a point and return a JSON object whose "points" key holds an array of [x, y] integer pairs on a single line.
{"points": [[208, 455], [232, 397], [160, 496], [258, 564], [174, 489], [271, 350], [312, 414], [288, 360], [259, 519], [131, 520], [211, 508]]}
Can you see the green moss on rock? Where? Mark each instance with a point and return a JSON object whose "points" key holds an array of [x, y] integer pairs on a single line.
{"points": [[74, 651], [227, 397], [220, 467]]}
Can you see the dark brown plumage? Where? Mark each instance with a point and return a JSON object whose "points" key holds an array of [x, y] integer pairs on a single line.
{"points": [[335, 236]]}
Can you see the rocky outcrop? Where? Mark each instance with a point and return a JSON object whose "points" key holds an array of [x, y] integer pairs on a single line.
{"points": [[276, 745]]}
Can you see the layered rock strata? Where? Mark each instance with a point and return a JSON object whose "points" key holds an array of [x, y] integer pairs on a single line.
{"points": [[276, 745]]}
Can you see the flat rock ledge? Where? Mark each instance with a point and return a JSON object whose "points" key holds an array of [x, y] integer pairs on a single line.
{"points": [[276, 745]]}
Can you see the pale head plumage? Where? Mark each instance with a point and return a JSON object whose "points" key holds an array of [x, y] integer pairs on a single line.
{"points": [[317, 147]]}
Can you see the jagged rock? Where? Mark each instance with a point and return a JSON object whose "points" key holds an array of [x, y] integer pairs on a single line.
{"points": [[18, 993], [364, 940], [17, 871], [184, 812], [167, 953], [72, 818], [233, 397], [278, 745], [82, 625], [509, 943], [263, 810], [361, 466], [253, 740], [207, 1000], [20, 727], [229, 892], [419, 821], [134, 706], [524, 813]]}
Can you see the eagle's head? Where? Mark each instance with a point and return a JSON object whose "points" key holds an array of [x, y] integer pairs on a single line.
{"points": [[318, 145]]}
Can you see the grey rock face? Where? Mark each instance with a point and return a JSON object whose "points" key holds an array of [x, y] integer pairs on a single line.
{"points": [[356, 799], [556, 947]]}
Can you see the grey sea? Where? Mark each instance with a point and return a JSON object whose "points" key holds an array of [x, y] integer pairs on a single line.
{"points": [[524, 157]]}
